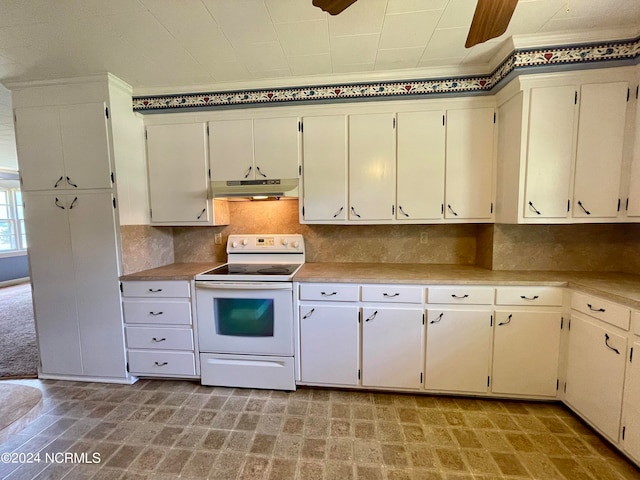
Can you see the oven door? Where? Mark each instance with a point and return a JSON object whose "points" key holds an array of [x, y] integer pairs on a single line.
{"points": [[253, 318]]}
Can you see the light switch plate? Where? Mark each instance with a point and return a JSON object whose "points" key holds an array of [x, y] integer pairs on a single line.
{"points": [[217, 238]]}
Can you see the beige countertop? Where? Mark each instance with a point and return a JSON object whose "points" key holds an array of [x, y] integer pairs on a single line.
{"points": [[619, 287], [174, 271], [623, 288]]}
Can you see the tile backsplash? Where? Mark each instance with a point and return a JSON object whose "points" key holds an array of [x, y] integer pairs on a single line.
{"points": [[593, 247]]}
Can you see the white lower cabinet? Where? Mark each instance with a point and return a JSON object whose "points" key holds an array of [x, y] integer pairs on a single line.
{"points": [[329, 339], [631, 408], [526, 348], [596, 363], [392, 347], [159, 328], [458, 350]]}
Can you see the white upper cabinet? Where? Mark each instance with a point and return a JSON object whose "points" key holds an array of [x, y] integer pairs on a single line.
{"points": [[179, 175], [552, 113], [246, 149], [420, 163], [372, 162], [64, 147], [469, 164], [324, 163], [600, 145]]}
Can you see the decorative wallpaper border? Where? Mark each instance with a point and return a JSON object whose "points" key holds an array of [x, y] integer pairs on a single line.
{"points": [[519, 60]]}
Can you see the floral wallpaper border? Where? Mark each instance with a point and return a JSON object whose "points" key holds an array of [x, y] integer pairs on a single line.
{"points": [[519, 60]]}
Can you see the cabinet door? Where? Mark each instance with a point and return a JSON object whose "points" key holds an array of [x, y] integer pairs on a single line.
{"points": [[231, 149], [458, 350], [97, 289], [469, 163], [85, 143], [178, 173], [595, 373], [526, 348], [39, 145], [420, 185], [633, 200], [601, 127], [324, 147], [54, 283], [372, 166], [276, 150], [552, 112], [631, 440], [392, 341], [329, 344]]}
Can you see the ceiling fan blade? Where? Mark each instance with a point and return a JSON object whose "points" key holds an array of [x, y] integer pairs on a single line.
{"points": [[333, 7], [490, 20]]}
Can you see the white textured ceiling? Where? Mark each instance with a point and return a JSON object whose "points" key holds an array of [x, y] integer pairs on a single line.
{"points": [[169, 45]]}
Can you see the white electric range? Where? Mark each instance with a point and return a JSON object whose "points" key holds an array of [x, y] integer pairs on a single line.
{"points": [[245, 313]]}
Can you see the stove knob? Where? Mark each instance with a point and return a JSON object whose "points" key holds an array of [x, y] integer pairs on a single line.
{"points": [[245, 242], [234, 244], [285, 242], [296, 244]]}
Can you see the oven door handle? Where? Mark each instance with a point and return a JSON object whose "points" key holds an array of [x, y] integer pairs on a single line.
{"points": [[244, 286]]}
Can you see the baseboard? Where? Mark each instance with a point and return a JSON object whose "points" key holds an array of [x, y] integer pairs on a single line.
{"points": [[15, 281], [77, 378]]}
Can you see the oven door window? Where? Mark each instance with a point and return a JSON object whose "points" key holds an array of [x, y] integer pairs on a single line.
{"points": [[244, 317]]}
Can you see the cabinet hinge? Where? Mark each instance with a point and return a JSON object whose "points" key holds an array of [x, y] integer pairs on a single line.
{"points": [[568, 205], [300, 126], [488, 381], [150, 213], [561, 322], [113, 178], [299, 170], [628, 93], [442, 208], [358, 374], [121, 289], [557, 384], [303, 210], [565, 387], [420, 377], [569, 326], [22, 182], [443, 120], [624, 430], [394, 122], [359, 319], [491, 207], [128, 368], [207, 130], [494, 117], [491, 322], [106, 111], [114, 203], [626, 207], [637, 91], [618, 204], [631, 355], [575, 98], [393, 209], [423, 318], [146, 137]]}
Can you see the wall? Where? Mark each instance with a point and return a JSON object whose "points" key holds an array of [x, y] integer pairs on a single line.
{"points": [[145, 247], [14, 267]]}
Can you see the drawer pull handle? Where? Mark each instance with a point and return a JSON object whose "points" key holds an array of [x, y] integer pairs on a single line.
{"points": [[158, 340], [309, 314], [595, 309], [459, 297], [325, 294], [524, 297], [161, 364], [606, 342], [156, 313], [507, 322], [155, 290], [437, 320], [390, 295], [372, 316]]}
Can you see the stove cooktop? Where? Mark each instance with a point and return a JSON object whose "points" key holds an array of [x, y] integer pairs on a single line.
{"points": [[252, 269]]}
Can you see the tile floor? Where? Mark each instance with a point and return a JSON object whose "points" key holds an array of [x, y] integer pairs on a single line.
{"points": [[179, 429]]}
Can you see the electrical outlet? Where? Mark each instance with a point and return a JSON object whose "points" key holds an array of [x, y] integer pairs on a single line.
{"points": [[217, 238], [424, 237]]}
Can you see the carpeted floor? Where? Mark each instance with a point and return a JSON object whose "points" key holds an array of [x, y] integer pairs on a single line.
{"points": [[18, 350]]}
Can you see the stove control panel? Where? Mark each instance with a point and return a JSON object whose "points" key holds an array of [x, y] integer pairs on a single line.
{"points": [[275, 243]]}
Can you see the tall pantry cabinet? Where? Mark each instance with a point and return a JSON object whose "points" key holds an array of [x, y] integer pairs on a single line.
{"points": [[66, 146]]}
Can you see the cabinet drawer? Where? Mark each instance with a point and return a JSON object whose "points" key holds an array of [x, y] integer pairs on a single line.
{"points": [[162, 363], [176, 312], [635, 322], [604, 310], [159, 338], [391, 293], [460, 295], [329, 291], [158, 288], [526, 295]]}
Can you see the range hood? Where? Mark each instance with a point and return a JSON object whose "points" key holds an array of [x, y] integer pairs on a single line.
{"points": [[255, 188]]}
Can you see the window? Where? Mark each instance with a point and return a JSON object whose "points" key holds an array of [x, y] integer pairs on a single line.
{"points": [[12, 233]]}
